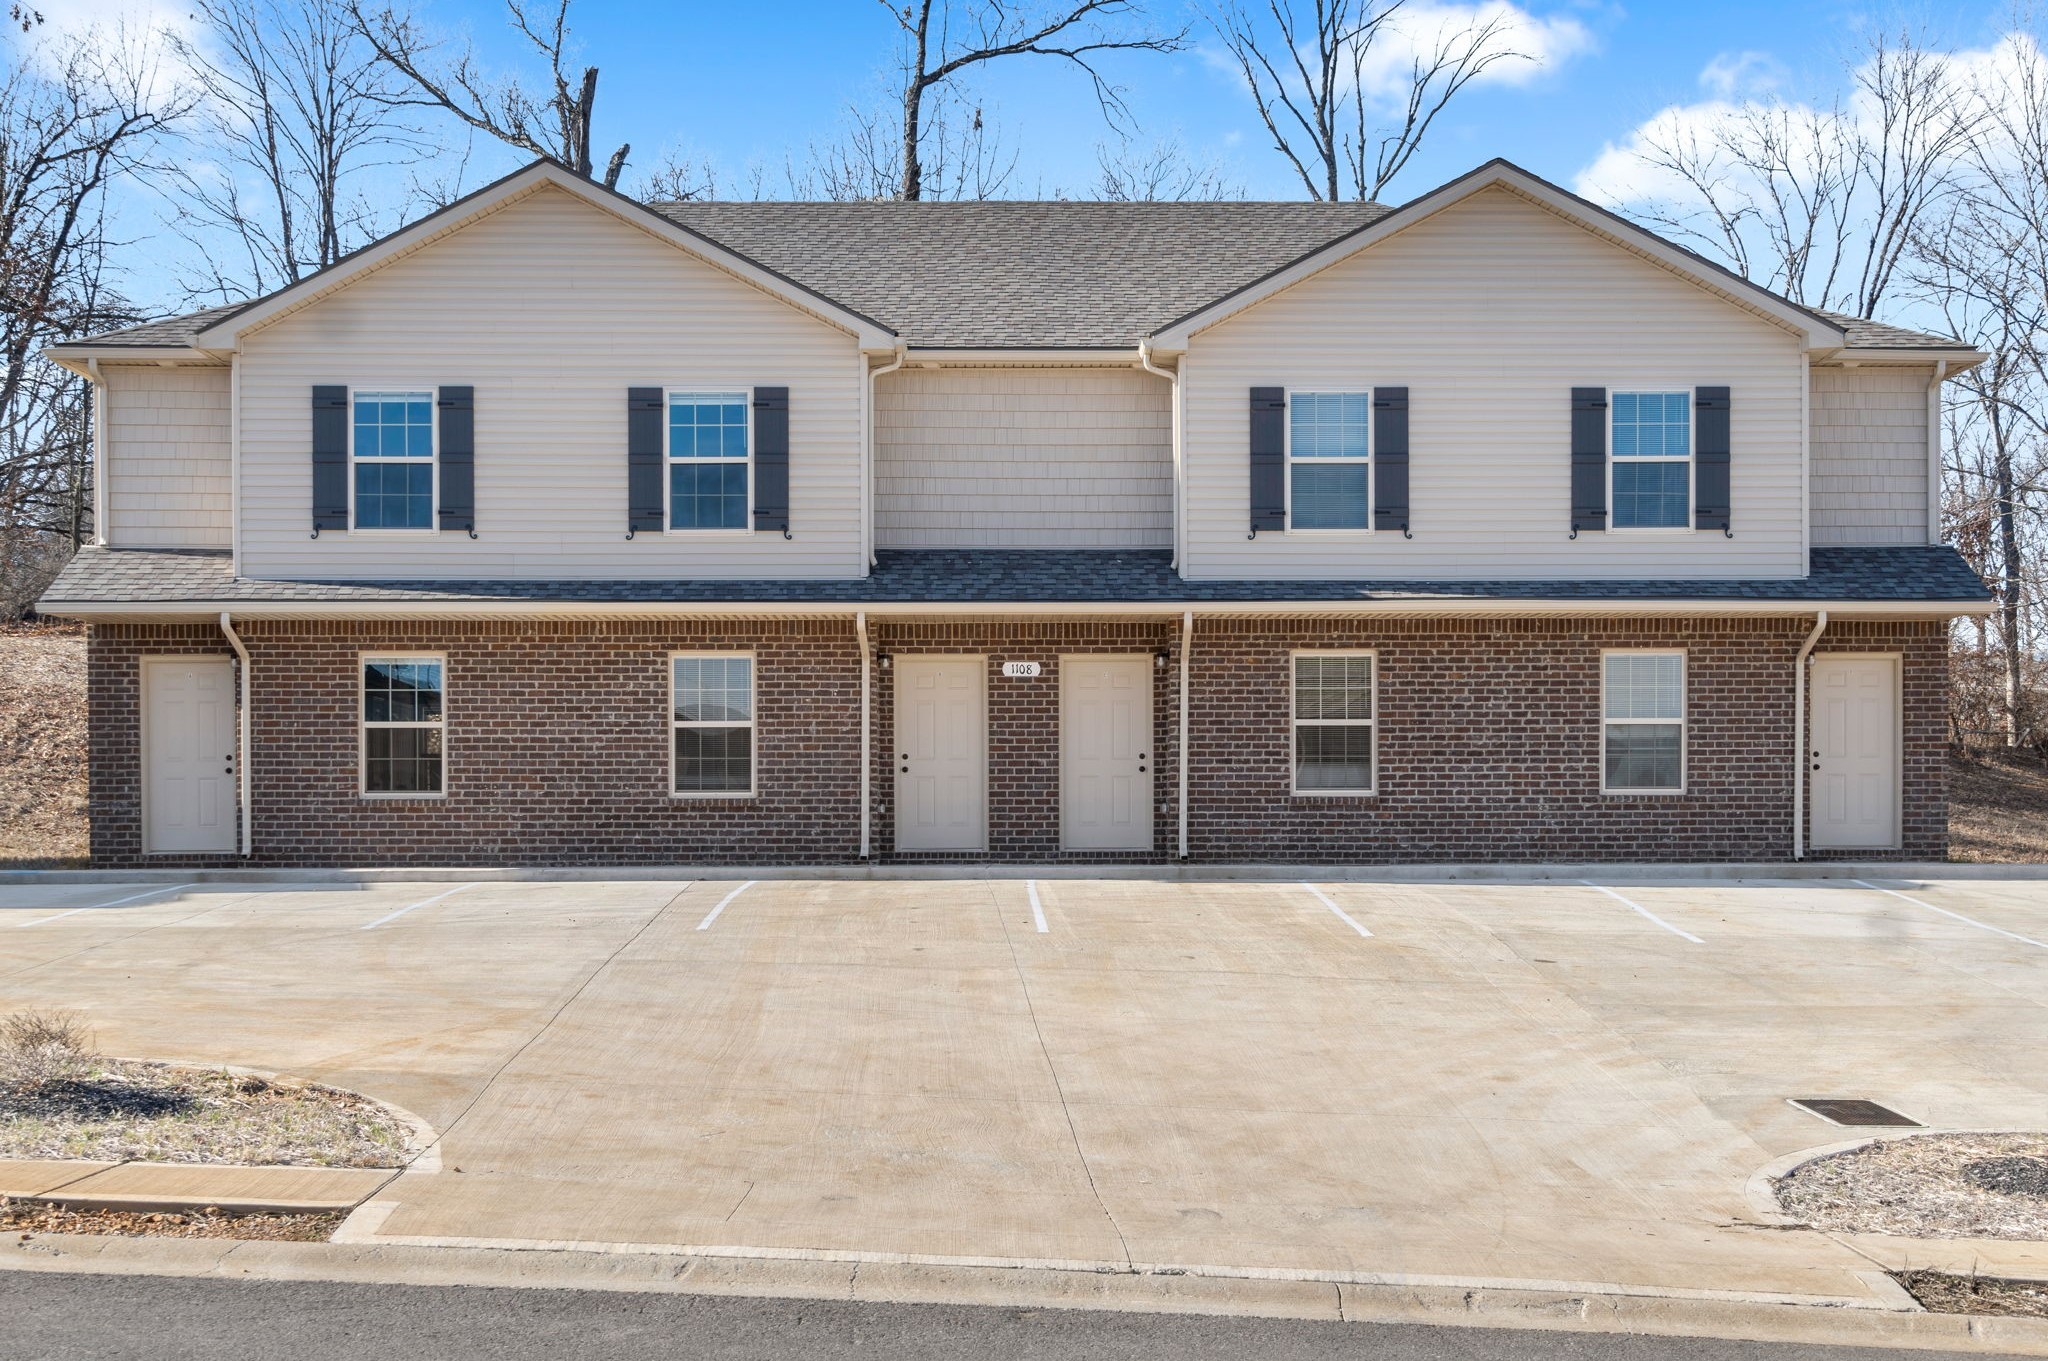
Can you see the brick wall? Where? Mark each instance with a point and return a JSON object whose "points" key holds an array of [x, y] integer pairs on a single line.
{"points": [[558, 742]]}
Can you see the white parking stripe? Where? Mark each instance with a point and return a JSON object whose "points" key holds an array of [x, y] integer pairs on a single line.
{"points": [[118, 902], [1981, 926], [712, 915], [1037, 909], [1330, 903], [1644, 911], [394, 916]]}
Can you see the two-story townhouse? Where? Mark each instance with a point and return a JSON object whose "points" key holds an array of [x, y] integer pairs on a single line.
{"points": [[561, 529]]}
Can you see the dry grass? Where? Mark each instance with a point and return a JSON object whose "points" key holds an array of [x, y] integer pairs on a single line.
{"points": [[28, 1218], [43, 811], [160, 1113], [1941, 1293], [1928, 1186], [1998, 807]]}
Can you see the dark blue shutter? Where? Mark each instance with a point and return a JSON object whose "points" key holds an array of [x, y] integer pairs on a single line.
{"points": [[1710, 457], [457, 454], [1390, 458], [1589, 459], [330, 458], [771, 459], [644, 509], [1269, 458]]}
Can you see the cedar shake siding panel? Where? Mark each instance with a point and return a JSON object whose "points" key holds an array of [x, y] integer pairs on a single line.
{"points": [[1023, 458], [168, 459], [557, 743], [1490, 312], [1870, 455], [551, 309]]}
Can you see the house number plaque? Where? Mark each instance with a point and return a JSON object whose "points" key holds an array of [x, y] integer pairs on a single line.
{"points": [[1020, 670]]}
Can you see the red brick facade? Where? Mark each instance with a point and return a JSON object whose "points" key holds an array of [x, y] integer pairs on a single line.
{"points": [[558, 742]]}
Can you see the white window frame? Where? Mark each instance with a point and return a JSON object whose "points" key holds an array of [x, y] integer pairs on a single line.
{"points": [[1287, 469], [363, 726], [433, 396], [669, 461], [1684, 719], [1295, 722], [1692, 457], [753, 788]]}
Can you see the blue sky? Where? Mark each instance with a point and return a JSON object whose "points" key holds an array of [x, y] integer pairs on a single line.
{"points": [[748, 85]]}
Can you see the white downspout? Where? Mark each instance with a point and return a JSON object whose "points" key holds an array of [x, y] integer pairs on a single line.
{"points": [[243, 679], [867, 455], [1799, 753], [100, 429], [860, 628], [1187, 640], [1172, 376], [1934, 450]]}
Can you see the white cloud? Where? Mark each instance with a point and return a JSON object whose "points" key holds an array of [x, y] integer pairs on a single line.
{"points": [[1733, 74], [1419, 29]]}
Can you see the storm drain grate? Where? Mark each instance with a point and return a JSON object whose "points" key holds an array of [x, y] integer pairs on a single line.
{"points": [[1853, 1111]]}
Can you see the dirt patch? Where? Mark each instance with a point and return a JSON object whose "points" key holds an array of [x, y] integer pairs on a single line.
{"points": [[123, 1109], [43, 808], [28, 1218], [1941, 1293], [1930, 1186], [1998, 807]]}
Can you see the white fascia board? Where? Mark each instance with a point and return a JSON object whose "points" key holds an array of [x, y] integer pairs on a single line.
{"points": [[1959, 360], [615, 610], [1817, 331], [72, 356], [225, 333], [990, 358]]}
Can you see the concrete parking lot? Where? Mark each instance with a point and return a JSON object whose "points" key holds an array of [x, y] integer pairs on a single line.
{"points": [[1542, 1082]]}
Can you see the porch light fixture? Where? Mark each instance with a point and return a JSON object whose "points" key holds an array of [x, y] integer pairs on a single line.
{"points": [[882, 659], [1159, 661]]}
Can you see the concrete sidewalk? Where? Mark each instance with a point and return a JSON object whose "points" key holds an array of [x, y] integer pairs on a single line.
{"points": [[1541, 1088]]}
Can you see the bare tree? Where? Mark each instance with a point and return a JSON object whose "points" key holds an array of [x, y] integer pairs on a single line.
{"points": [[1821, 204], [295, 109], [556, 124], [961, 156], [945, 41], [72, 119], [1162, 172], [1307, 67]]}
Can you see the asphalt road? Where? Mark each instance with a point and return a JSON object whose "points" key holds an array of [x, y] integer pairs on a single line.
{"points": [[52, 1317]]}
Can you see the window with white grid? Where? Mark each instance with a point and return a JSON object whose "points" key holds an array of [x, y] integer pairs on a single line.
{"points": [[713, 721], [1642, 722]]}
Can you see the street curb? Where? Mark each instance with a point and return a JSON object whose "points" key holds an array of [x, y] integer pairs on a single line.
{"points": [[1165, 1291], [1886, 871]]}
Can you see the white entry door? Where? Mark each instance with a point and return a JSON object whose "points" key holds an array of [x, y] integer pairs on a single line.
{"points": [[188, 757], [941, 754], [1106, 753], [1855, 760]]}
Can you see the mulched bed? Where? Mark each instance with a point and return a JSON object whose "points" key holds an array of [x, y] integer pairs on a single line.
{"points": [[159, 1113], [1941, 1293], [1929, 1186], [28, 1218]]}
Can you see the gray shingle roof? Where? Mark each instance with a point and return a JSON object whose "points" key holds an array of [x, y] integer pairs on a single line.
{"points": [[1017, 274], [146, 577]]}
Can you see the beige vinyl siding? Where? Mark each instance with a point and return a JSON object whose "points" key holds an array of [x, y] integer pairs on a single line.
{"points": [[1489, 313], [1870, 455], [1023, 458], [169, 457], [551, 309]]}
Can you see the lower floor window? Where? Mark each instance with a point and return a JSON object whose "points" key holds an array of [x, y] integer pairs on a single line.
{"points": [[713, 718], [1333, 723], [1642, 709], [402, 725]]}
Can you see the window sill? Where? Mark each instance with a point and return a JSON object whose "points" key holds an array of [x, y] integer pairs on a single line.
{"points": [[1361, 533], [707, 533], [1661, 531], [725, 795], [1642, 793], [1333, 793], [396, 797], [422, 531]]}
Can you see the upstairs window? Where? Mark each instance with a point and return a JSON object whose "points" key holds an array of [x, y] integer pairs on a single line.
{"points": [[713, 719], [709, 439], [1652, 458], [1642, 706], [402, 725], [393, 447], [1326, 460], [1334, 702]]}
